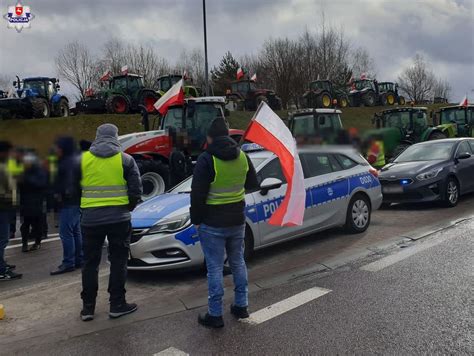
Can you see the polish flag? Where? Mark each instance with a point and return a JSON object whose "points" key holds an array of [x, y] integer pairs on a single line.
{"points": [[254, 77], [464, 102], [124, 70], [363, 76], [269, 131], [105, 76], [175, 95], [240, 73], [185, 75]]}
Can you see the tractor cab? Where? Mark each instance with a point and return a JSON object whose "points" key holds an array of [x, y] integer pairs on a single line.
{"points": [[245, 95], [165, 83], [363, 84], [244, 86], [462, 117], [410, 121], [320, 85], [128, 84], [39, 87], [310, 126]]}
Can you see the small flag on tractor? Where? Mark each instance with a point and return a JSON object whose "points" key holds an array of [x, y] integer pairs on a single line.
{"points": [[464, 102], [240, 73], [124, 70], [174, 96], [106, 76], [254, 77], [363, 76], [270, 132]]}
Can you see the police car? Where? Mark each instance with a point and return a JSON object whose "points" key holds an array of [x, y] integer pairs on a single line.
{"points": [[342, 189]]}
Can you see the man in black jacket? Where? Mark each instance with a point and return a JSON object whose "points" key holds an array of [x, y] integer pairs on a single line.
{"points": [[221, 176]]}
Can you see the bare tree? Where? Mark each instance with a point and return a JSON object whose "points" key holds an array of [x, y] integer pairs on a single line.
{"points": [[418, 81], [146, 62], [114, 55], [5, 82], [192, 61], [76, 65], [442, 89], [362, 63]]}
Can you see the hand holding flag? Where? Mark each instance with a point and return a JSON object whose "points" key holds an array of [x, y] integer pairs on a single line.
{"points": [[269, 131]]}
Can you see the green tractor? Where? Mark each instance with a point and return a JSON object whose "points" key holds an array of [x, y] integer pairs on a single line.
{"points": [[322, 93], [315, 126], [124, 94], [369, 92], [164, 83], [456, 121], [390, 90], [402, 127]]}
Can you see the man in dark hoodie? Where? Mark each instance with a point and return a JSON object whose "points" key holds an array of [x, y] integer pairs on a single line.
{"points": [[111, 188], [68, 196], [220, 178]]}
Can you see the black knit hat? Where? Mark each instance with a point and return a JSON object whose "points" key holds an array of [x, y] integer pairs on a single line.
{"points": [[218, 128]]}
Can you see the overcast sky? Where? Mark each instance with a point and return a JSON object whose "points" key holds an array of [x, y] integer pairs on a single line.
{"points": [[392, 30]]}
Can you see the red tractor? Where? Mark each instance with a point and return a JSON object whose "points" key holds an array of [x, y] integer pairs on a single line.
{"points": [[165, 151], [245, 95]]}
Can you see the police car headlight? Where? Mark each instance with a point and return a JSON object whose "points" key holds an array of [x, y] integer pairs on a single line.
{"points": [[173, 224], [429, 174]]}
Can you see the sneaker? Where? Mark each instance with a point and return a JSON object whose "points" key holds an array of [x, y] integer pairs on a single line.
{"points": [[35, 247], [123, 309], [213, 322], [10, 267], [61, 270], [239, 312], [87, 312], [9, 275]]}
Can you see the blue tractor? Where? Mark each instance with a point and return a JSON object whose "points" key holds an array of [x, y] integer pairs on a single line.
{"points": [[36, 97]]}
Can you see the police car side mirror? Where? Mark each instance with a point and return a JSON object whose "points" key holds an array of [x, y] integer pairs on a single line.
{"points": [[269, 184]]}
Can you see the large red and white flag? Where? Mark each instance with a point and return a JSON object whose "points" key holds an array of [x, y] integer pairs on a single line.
{"points": [[254, 77], [269, 131], [106, 75], [174, 96], [464, 102], [240, 73], [124, 70]]}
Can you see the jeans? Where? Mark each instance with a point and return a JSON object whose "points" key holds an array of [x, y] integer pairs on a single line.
{"points": [[4, 236], [118, 235], [215, 242], [36, 232], [70, 234]]}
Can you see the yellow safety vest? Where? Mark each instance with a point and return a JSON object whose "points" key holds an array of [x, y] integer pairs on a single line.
{"points": [[102, 181], [381, 156], [229, 181], [15, 168]]}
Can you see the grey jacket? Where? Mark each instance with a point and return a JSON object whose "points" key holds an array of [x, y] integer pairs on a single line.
{"points": [[107, 146]]}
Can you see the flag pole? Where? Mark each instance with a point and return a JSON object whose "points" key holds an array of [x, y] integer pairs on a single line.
{"points": [[206, 65]]}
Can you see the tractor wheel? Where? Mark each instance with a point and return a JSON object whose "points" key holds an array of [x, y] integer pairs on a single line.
{"points": [[369, 98], [324, 100], [155, 178], [399, 149], [401, 100], [343, 101], [40, 108], [436, 136], [148, 100], [117, 104], [390, 98], [63, 109]]}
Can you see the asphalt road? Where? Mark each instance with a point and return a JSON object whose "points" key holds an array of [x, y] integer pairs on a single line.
{"points": [[420, 304]]}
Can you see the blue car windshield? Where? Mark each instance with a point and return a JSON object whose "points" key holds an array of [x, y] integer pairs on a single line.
{"points": [[432, 151]]}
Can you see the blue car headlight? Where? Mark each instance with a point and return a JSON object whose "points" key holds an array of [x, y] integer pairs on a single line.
{"points": [[172, 224], [429, 174]]}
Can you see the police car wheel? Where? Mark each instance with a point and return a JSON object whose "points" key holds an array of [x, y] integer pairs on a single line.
{"points": [[358, 214]]}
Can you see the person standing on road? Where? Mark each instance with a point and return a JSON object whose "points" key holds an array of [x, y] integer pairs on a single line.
{"points": [[221, 176], [68, 195], [16, 169], [7, 203], [111, 188]]}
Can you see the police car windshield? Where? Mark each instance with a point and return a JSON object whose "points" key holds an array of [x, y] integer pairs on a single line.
{"points": [[185, 186], [431, 151]]}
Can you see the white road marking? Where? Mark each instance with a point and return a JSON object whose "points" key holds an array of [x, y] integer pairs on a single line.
{"points": [[285, 305], [400, 256], [171, 351], [31, 242]]}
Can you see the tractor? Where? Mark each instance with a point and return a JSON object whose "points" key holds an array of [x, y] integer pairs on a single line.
{"points": [[390, 90], [124, 94], [36, 97], [402, 127], [165, 151], [165, 82], [244, 95], [315, 126], [324, 94], [456, 121], [367, 92]]}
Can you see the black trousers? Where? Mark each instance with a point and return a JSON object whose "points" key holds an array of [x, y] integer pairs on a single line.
{"points": [[118, 236], [31, 228]]}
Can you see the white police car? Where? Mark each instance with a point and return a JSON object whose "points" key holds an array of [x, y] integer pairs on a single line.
{"points": [[342, 189]]}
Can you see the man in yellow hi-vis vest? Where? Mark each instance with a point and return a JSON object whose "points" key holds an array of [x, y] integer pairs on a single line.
{"points": [[110, 189], [220, 178]]}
